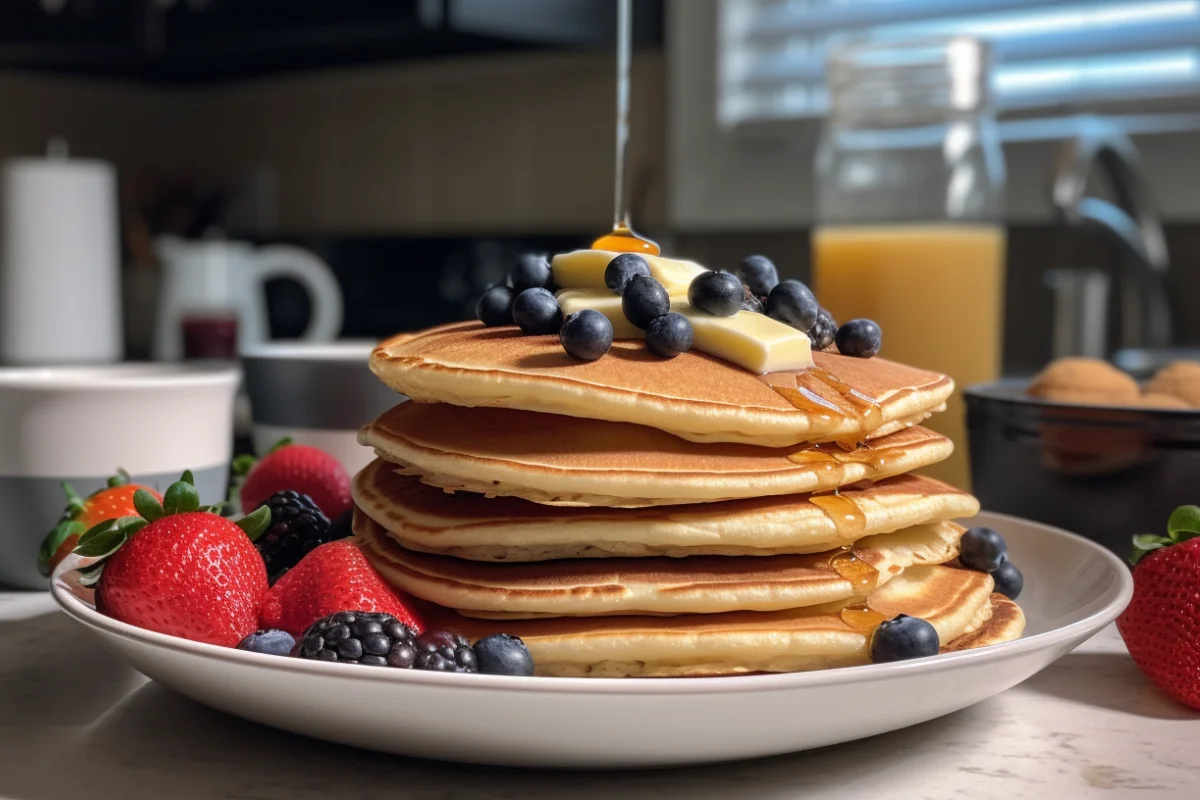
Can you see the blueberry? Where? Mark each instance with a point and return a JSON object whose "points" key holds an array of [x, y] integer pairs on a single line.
{"points": [[532, 271], [669, 335], [792, 302], [860, 338], [718, 293], [644, 299], [622, 268], [586, 335], [270, 642], [758, 273], [496, 306], [1009, 580], [536, 312], [823, 331], [902, 638], [503, 654], [982, 549]]}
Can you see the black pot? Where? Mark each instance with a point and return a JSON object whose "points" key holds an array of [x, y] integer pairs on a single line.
{"points": [[1102, 472]]}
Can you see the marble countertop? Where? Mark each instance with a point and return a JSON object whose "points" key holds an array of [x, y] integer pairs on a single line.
{"points": [[74, 722]]}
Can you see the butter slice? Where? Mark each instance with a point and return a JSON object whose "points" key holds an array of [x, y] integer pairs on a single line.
{"points": [[751, 341], [604, 301], [584, 269]]}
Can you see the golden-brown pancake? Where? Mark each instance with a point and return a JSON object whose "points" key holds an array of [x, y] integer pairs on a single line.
{"points": [[557, 460], [697, 585], [957, 602], [693, 395], [471, 526]]}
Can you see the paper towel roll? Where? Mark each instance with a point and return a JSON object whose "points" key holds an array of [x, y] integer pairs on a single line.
{"points": [[60, 292]]}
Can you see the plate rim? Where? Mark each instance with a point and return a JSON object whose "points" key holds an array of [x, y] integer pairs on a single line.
{"points": [[79, 611]]}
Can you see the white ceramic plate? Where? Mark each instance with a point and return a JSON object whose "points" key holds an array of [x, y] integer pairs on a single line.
{"points": [[1072, 589]]}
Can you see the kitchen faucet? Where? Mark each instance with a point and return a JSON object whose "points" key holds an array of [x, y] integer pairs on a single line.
{"points": [[1131, 224]]}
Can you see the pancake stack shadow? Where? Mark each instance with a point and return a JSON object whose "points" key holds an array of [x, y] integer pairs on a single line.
{"points": [[683, 517]]}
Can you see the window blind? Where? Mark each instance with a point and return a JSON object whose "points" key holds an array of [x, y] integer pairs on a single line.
{"points": [[1049, 54]]}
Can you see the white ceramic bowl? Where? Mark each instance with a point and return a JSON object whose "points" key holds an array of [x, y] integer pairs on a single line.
{"points": [[79, 424], [1073, 588], [317, 393]]}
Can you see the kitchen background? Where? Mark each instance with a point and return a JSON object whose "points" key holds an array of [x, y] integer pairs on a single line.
{"points": [[416, 147]]}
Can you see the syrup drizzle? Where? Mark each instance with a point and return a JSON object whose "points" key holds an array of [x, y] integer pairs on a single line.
{"points": [[862, 618], [810, 390], [848, 519], [624, 240], [862, 576]]}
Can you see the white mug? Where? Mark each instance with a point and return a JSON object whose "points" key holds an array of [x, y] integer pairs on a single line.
{"points": [[219, 276], [60, 298]]}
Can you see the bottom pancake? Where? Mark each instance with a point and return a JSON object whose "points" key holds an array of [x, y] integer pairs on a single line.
{"points": [[958, 603]]}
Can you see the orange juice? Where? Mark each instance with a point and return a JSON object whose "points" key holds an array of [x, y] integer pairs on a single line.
{"points": [[937, 293]]}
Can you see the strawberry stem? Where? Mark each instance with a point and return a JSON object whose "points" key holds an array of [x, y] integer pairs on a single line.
{"points": [[257, 523]]}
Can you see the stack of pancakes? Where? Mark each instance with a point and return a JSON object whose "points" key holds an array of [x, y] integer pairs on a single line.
{"points": [[634, 516]]}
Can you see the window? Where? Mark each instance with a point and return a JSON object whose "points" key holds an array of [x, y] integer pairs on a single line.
{"points": [[1050, 54]]}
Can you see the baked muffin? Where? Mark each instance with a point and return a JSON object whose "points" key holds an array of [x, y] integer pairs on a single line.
{"points": [[1179, 379], [1087, 381]]}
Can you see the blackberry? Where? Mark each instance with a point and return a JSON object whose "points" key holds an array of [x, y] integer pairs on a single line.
{"points": [[442, 651], [297, 526], [358, 637]]}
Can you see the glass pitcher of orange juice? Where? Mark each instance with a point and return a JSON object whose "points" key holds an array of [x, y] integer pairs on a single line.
{"points": [[910, 183]]}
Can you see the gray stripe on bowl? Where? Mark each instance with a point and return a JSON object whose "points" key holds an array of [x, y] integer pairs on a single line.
{"points": [[30, 507]]}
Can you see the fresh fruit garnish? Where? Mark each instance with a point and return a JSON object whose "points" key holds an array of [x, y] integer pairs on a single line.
{"points": [[623, 269], [1161, 626], [669, 335], [536, 312], [586, 335], [644, 299], [82, 513], [178, 569], [297, 527], [271, 643], [443, 651], [823, 331], [503, 654], [334, 577], [495, 306], [903, 638], [356, 637], [1009, 580], [718, 293], [792, 303], [531, 271], [759, 274], [982, 549], [860, 338], [298, 467]]}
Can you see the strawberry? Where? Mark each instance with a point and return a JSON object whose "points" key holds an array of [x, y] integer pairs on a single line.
{"points": [[298, 467], [178, 569], [82, 513], [1161, 626], [334, 577]]}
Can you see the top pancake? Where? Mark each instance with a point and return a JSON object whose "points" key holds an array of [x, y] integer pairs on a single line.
{"points": [[694, 395]]}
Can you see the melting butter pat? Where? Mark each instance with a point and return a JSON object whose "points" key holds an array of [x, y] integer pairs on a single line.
{"points": [[751, 341], [584, 269], [604, 301]]}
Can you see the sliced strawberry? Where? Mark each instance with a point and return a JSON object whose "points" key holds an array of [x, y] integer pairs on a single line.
{"points": [[334, 577]]}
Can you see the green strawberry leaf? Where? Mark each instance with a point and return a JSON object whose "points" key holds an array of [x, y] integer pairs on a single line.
{"points": [[89, 576], [1184, 518], [181, 497], [74, 501], [1179, 537], [1144, 543], [216, 508], [147, 505], [101, 541], [243, 464], [255, 524], [282, 443], [188, 478], [121, 478], [54, 540]]}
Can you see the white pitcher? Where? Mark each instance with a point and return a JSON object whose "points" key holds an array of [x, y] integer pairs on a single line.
{"points": [[216, 275]]}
